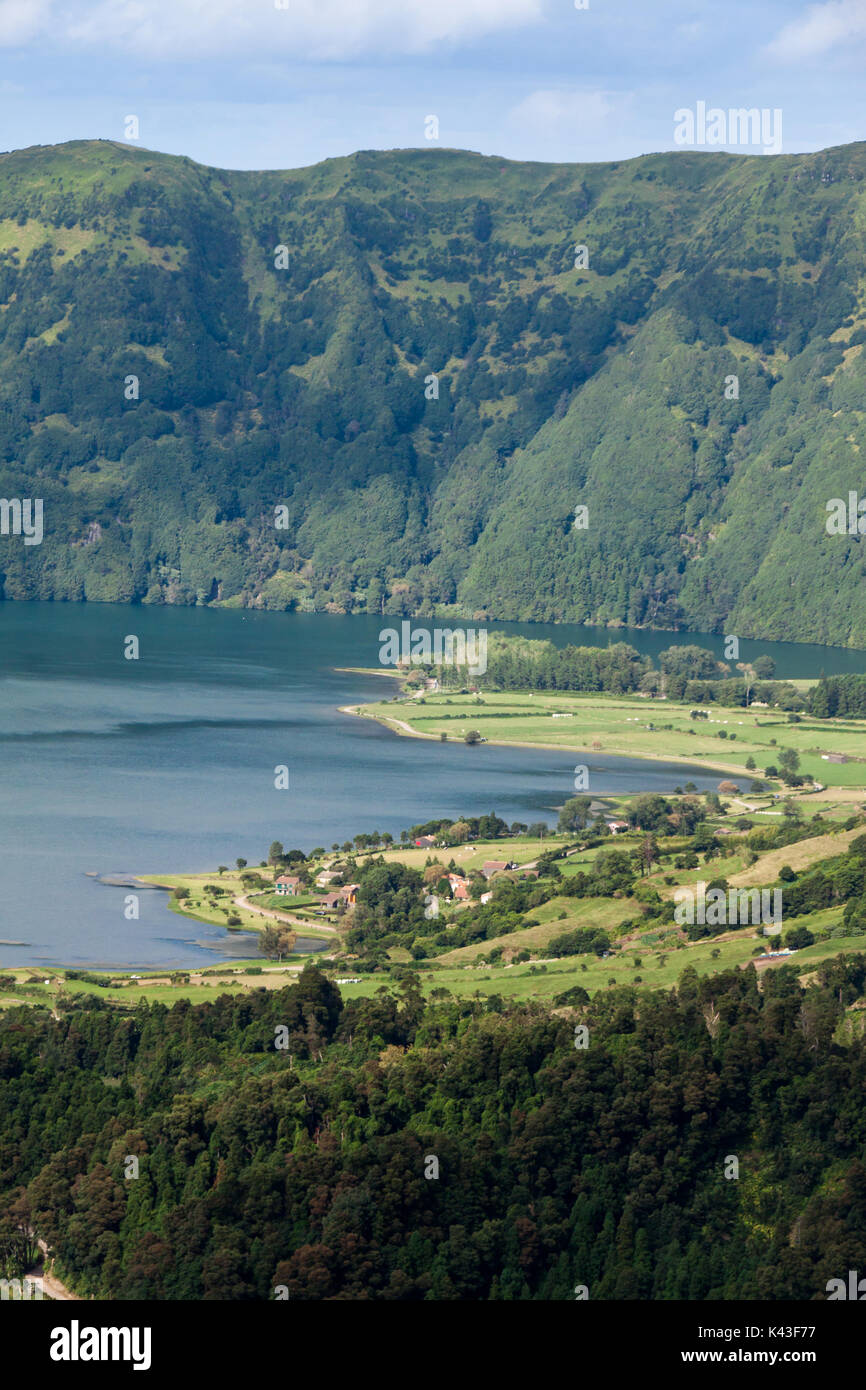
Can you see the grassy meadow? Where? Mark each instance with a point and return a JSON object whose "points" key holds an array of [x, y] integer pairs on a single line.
{"points": [[638, 727]]}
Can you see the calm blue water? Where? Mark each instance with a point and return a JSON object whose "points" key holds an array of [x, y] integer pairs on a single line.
{"points": [[167, 763]]}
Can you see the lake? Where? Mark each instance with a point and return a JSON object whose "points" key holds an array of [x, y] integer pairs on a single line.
{"points": [[118, 767]]}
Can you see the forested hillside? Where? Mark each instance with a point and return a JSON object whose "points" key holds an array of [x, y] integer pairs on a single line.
{"points": [[169, 377], [309, 1170]]}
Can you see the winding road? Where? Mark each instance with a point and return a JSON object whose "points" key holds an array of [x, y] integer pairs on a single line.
{"points": [[54, 1287], [243, 900]]}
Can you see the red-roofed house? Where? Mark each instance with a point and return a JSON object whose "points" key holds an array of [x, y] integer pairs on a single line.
{"points": [[495, 866], [288, 883], [339, 897]]}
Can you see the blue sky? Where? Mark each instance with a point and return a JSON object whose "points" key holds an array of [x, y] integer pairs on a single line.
{"points": [[246, 84]]}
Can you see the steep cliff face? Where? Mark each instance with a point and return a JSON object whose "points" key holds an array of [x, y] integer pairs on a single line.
{"points": [[390, 381]]}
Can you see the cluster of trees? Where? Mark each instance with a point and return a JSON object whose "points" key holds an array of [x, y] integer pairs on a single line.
{"points": [[650, 811], [684, 672], [516, 663], [791, 828], [583, 941], [842, 696], [612, 871], [277, 940], [18, 1248], [485, 827], [733, 692], [448, 1150], [389, 909], [835, 881]]}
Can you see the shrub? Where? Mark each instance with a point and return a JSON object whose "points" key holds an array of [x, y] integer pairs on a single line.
{"points": [[799, 937], [575, 995]]}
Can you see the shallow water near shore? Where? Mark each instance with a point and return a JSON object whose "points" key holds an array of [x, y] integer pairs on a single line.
{"points": [[113, 768]]}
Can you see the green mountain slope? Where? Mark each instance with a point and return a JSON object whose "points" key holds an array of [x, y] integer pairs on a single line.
{"points": [[302, 387]]}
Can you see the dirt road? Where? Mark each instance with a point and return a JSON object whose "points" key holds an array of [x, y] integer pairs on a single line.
{"points": [[54, 1287], [243, 900]]}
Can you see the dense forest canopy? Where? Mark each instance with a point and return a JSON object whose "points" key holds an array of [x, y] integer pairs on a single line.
{"points": [[382, 384], [308, 1169]]}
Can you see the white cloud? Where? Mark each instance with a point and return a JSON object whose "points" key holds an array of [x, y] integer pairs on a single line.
{"points": [[22, 20], [820, 29], [553, 112], [324, 29]]}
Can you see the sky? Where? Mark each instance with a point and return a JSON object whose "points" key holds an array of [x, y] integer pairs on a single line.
{"points": [[275, 84]]}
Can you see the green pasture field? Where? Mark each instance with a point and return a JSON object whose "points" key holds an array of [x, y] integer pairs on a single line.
{"points": [[631, 726]]}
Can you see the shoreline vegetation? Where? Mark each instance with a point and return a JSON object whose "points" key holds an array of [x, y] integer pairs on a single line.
{"points": [[556, 890], [792, 782], [683, 706]]}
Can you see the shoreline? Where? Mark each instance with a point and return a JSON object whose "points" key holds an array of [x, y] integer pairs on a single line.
{"points": [[390, 672], [234, 938], [404, 730]]}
